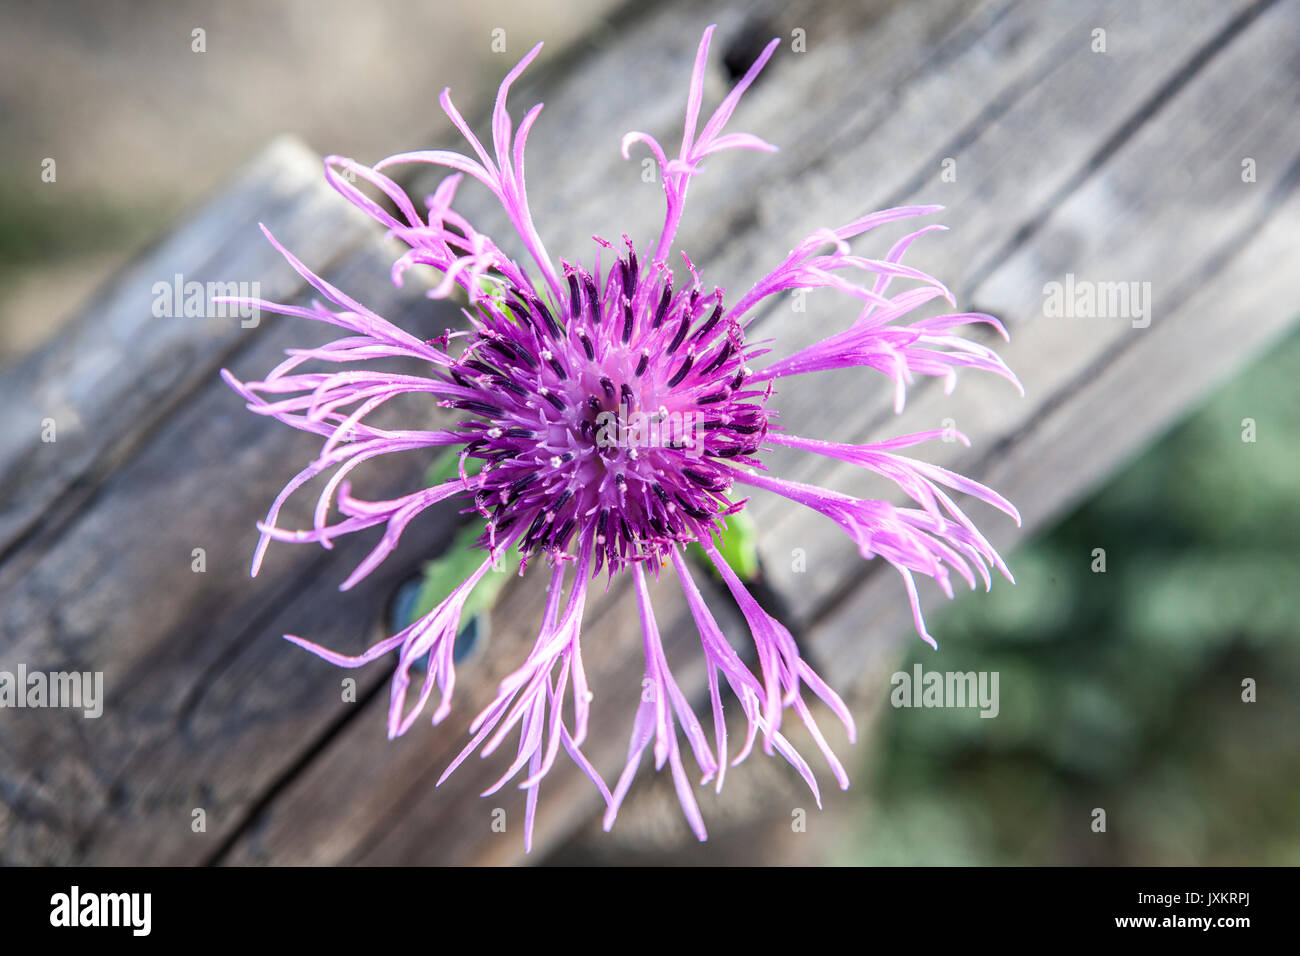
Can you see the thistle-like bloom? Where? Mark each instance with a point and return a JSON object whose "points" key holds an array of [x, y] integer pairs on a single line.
{"points": [[617, 418]]}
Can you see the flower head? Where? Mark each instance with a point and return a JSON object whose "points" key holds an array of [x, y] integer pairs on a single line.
{"points": [[616, 416]]}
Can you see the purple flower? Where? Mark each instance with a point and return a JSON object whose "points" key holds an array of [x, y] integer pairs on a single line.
{"points": [[615, 414]]}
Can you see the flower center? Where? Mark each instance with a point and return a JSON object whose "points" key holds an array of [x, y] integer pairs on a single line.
{"points": [[611, 418]]}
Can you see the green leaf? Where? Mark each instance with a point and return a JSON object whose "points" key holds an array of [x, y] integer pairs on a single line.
{"points": [[738, 545], [444, 574]]}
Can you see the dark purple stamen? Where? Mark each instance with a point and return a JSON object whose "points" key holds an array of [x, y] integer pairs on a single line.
{"points": [[551, 325], [700, 478], [707, 327], [483, 408], [681, 334], [513, 387], [720, 360], [575, 297], [627, 320], [681, 372], [663, 304], [631, 269], [593, 297]]}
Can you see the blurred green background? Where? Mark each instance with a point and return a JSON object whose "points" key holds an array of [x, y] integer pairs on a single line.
{"points": [[1123, 690]]}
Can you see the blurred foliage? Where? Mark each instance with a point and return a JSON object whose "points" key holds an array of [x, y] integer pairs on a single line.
{"points": [[443, 575], [40, 226], [461, 559], [1123, 690]]}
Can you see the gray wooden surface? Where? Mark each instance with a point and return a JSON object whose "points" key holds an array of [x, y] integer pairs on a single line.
{"points": [[1123, 165]]}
